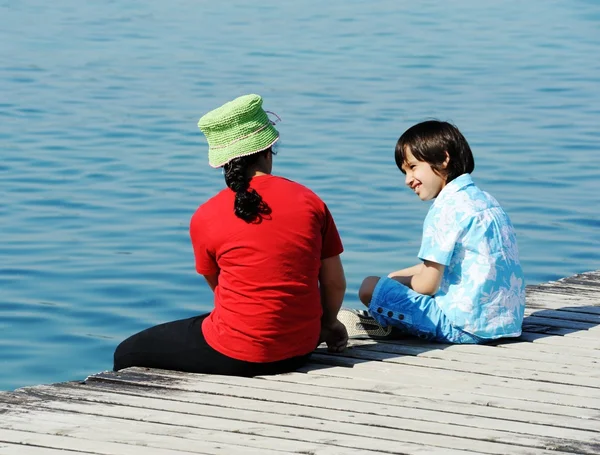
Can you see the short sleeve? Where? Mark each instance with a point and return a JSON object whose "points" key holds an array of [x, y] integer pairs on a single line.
{"points": [[332, 243], [441, 231], [204, 255]]}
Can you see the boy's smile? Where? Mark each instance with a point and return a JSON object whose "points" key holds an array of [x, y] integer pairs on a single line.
{"points": [[421, 178]]}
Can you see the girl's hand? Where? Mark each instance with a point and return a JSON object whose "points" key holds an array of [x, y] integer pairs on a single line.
{"points": [[335, 336]]}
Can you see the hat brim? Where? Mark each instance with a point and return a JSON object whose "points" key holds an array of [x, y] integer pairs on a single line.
{"points": [[219, 157]]}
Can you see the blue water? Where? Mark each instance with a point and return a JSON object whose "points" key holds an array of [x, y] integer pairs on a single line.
{"points": [[102, 164]]}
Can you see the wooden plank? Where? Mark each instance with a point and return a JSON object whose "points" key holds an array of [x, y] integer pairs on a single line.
{"points": [[563, 301], [585, 338], [565, 293], [388, 372], [183, 438], [305, 386], [514, 371], [535, 328], [193, 388], [559, 323], [588, 279], [420, 420], [533, 363], [482, 360], [572, 294], [352, 378], [583, 288], [482, 354], [28, 438], [574, 316], [462, 375], [186, 418], [31, 408], [20, 449], [80, 426], [592, 275], [549, 344], [553, 298], [73, 426], [516, 347], [477, 396], [382, 427], [562, 341], [403, 388]]}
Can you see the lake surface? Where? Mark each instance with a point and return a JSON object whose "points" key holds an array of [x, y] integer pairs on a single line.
{"points": [[102, 164]]}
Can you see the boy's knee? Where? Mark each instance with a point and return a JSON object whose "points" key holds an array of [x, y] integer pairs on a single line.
{"points": [[365, 293]]}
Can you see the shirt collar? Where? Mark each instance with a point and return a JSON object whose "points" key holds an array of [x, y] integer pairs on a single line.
{"points": [[460, 182]]}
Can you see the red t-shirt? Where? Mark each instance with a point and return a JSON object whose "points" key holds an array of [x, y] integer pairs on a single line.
{"points": [[267, 301]]}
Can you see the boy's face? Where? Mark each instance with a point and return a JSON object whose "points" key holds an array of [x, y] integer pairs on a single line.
{"points": [[421, 178]]}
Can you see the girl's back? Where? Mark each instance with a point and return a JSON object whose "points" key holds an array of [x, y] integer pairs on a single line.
{"points": [[268, 280]]}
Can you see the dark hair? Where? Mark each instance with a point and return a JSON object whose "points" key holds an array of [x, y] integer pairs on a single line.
{"points": [[249, 205], [429, 141]]}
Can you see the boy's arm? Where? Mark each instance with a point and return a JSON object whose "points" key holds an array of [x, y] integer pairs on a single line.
{"points": [[426, 281], [407, 272]]}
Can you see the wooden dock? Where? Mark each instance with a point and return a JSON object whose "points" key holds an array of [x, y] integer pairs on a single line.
{"points": [[539, 394]]}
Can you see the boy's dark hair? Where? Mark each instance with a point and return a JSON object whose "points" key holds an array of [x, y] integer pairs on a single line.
{"points": [[429, 141]]}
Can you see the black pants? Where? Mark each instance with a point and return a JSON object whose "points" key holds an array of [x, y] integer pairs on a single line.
{"points": [[180, 346]]}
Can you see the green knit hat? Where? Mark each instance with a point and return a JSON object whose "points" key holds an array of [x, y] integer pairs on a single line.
{"points": [[238, 128]]}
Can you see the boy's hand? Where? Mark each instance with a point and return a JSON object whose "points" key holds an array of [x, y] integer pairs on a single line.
{"points": [[335, 336]]}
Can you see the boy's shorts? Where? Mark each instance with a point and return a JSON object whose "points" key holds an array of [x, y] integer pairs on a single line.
{"points": [[399, 306]]}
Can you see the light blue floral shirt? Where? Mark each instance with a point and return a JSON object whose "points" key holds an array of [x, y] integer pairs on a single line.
{"points": [[483, 287]]}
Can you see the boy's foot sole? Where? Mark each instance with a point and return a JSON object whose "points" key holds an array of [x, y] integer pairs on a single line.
{"points": [[361, 325]]}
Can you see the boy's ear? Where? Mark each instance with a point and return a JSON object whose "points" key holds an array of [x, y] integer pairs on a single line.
{"points": [[446, 161]]}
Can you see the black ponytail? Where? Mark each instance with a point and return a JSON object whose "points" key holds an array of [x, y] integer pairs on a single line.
{"points": [[249, 205]]}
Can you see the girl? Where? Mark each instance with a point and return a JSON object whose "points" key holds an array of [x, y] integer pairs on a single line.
{"points": [[469, 286], [270, 251]]}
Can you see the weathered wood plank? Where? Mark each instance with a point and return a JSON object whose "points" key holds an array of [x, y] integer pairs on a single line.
{"points": [[304, 386], [517, 347], [21, 449], [357, 358], [584, 288], [573, 315], [94, 446], [137, 418], [329, 378], [486, 355], [559, 323], [184, 438], [235, 412], [94, 428], [557, 338], [195, 389], [574, 374], [198, 436], [390, 373], [563, 301], [507, 365]]}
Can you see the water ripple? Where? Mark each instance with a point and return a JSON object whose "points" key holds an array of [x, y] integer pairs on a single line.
{"points": [[103, 165]]}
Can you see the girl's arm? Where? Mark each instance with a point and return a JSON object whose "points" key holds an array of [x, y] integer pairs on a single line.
{"points": [[425, 281], [212, 280], [332, 284]]}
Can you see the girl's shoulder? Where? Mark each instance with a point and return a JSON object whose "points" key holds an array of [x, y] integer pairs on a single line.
{"points": [[291, 187]]}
